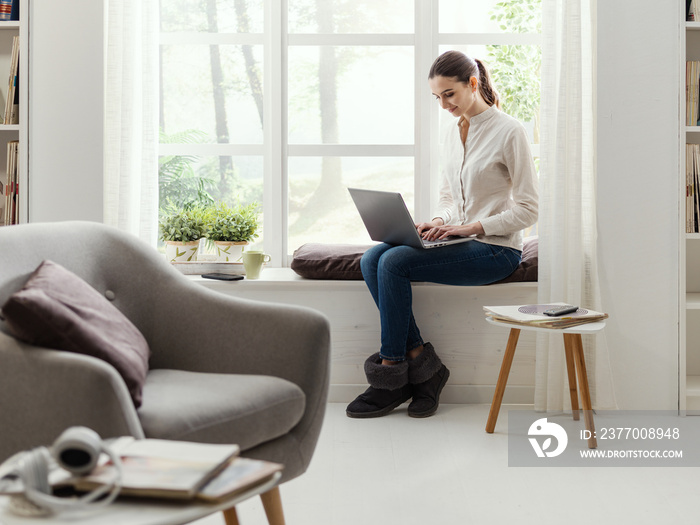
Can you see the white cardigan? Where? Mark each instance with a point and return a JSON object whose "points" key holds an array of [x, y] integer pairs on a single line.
{"points": [[491, 179]]}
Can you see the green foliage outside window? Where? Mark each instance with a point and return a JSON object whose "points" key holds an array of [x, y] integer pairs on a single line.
{"points": [[178, 185], [516, 69]]}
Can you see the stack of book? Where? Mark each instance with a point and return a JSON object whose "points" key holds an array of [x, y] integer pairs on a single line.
{"points": [[179, 470], [10, 189], [531, 315], [164, 469]]}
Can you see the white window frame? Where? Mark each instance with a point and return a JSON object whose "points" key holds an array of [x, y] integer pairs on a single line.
{"points": [[276, 148]]}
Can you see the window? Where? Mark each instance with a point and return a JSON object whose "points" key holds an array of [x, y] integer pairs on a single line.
{"points": [[289, 102]]}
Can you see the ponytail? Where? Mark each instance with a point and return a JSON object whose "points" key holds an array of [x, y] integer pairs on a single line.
{"points": [[486, 87]]}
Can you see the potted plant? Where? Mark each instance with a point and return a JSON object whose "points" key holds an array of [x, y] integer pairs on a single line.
{"points": [[231, 227], [181, 230]]}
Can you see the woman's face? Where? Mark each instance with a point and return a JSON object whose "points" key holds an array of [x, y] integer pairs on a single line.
{"points": [[454, 96]]}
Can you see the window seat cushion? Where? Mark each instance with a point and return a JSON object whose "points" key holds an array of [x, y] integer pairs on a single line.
{"points": [[342, 262]]}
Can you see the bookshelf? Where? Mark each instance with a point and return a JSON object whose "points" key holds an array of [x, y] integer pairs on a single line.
{"points": [[689, 326], [15, 132]]}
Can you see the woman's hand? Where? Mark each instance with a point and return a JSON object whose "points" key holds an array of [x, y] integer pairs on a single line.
{"points": [[434, 232], [425, 227]]}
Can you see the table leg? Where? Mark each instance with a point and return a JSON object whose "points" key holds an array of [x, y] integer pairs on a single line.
{"points": [[502, 379], [571, 371], [585, 392], [272, 502], [231, 517]]}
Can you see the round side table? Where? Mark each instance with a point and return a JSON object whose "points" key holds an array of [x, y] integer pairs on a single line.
{"points": [[575, 365]]}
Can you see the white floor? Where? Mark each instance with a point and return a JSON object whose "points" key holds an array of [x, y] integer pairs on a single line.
{"points": [[446, 470]]}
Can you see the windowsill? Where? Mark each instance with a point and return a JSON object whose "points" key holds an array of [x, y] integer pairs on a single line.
{"points": [[286, 278]]}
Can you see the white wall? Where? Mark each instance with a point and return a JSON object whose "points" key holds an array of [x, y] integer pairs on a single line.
{"points": [[66, 110], [638, 71], [638, 96]]}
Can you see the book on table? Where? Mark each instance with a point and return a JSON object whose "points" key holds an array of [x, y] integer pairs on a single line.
{"points": [[531, 315], [156, 468], [163, 469], [239, 475], [160, 468]]}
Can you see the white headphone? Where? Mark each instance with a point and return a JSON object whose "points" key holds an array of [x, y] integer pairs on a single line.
{"points": [[77, 450]]}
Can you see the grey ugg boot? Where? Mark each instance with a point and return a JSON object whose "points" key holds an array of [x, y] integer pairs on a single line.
{"points": [[388, 388], [428, 376]]}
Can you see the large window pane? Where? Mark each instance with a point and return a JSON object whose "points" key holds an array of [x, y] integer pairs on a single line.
{"points": [[320, 207], [490, 16], [351, 16], [215, 89], [351, 95], [211, 16], [516, 73]]}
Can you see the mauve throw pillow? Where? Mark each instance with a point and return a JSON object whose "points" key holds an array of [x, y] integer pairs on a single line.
{"points": [[57, 309]]}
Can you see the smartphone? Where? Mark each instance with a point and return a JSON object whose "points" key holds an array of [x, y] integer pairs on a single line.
{"points": [[222, 276]]}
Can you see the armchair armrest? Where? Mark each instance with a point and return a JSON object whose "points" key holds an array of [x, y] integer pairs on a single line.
{"points": [[45, 391]]}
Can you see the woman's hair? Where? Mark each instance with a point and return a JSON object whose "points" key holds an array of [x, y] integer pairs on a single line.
{"points": [[454, 64]]}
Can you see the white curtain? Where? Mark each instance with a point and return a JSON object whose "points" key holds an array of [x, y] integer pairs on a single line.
{"points": [[567, 223], [131, 117]]}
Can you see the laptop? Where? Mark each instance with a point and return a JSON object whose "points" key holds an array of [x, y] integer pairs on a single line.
{"points": [[388, 220]]}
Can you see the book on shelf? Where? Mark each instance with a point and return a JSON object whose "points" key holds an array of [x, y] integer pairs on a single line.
{"points": [[531, 315], [5, 10], [12, 99], [692, 11], [160, 468], [692, 188], [692, 91], [11, 186], [14, 14]]}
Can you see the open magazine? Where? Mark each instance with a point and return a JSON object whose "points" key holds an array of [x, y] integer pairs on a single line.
{"points": [[531, 315]]}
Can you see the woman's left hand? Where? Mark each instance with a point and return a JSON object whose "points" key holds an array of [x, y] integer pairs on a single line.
{"points": [[462, 230]]}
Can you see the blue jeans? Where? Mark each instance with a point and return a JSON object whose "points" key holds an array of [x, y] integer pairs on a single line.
{"points": [[388, 271]]}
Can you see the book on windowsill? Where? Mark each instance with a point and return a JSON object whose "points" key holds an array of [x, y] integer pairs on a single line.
{"points": [[531, 315], [160, 468]]}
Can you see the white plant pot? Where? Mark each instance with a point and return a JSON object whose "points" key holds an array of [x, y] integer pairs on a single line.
{"points": [[229, 251], [181, 251]]}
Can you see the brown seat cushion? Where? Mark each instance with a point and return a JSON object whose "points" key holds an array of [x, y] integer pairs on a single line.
{"points": [[57, 309], [329, 261], [342, 262]]}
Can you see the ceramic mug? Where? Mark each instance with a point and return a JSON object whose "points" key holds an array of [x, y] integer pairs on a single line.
{"points": [[252, 262]]}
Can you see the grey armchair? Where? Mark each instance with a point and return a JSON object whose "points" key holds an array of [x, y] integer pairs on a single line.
{"points": [[222, 370]]}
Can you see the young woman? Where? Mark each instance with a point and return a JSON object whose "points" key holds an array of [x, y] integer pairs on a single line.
{"points": [[489, 192]]}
